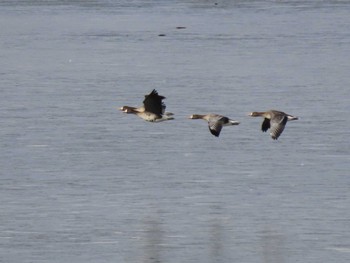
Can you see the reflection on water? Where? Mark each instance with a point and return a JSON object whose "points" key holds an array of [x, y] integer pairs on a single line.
{"points": [[153, 241], [272, 244], [217, 242]]}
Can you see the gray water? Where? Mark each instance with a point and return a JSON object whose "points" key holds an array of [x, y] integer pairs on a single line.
{"points": [[83, 182]]}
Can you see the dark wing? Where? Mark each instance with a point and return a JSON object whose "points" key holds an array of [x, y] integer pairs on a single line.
{"points": [[278, 123], [153, 103], [215, 124], [265, 125]]}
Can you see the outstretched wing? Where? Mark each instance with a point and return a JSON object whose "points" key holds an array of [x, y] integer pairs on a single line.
{"points": [[153, 103], [265, 125], [215, 124], [277, 125]]}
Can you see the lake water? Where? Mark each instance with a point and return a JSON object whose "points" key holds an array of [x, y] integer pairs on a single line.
{"points": [[83, 182]]}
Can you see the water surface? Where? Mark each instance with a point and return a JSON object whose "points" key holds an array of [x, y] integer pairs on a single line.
{"points": [[83, 182]]}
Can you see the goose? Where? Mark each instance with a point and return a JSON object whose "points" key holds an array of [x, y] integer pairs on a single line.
{"points": [[153, 109], [215, 122], [274, 120]]}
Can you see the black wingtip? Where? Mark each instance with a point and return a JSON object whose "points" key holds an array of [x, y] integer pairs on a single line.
{"points": [[215, 133], [154, 92], [265, 125]]}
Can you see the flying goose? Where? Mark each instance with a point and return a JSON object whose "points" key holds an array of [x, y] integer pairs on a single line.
{"points": [[215, 122], [153, 109], [274, 120]]}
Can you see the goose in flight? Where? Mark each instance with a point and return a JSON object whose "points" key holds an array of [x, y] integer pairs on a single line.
{"points": [[215, 122], [153, 109], [274, 120]]}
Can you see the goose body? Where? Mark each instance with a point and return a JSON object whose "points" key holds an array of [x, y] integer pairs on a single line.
{"points": [[274, 120], [153, 109], [215, 122]]}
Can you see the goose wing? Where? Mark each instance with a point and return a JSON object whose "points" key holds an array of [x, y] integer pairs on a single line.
{"points": [[265, 125], [215, 124], [153, 103], [278, 122]]}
